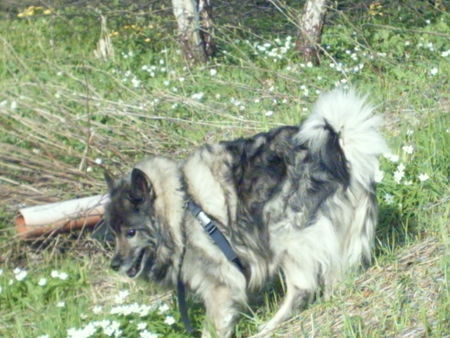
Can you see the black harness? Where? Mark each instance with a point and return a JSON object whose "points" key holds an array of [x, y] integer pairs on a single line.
{"points": [[220, 240]]}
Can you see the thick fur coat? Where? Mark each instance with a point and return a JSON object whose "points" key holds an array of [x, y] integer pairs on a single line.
{"points": [[299, 200]]}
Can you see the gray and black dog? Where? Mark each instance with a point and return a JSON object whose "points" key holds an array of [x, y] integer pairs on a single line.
{"points": [[299, 200]]}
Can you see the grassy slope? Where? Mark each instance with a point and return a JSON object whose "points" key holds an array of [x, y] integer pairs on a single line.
{"points": [[63, 112]]}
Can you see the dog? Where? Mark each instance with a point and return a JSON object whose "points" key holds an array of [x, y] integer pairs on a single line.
{"points": [[299, 200]]}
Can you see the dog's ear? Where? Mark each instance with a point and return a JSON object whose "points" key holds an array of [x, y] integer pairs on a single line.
{"points": [[108, 179], [141, 187]]}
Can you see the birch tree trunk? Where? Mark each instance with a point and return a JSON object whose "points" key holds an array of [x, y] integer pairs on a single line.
{"points": [[310, 29], [194, 20]]}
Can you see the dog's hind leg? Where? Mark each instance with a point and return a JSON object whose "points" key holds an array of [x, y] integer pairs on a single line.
{"points": [[299, 289], [221, 310]]}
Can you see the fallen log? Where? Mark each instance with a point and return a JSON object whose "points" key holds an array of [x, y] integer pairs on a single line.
{"points": [[40, 220]]}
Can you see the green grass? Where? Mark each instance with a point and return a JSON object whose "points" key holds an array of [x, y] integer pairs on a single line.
{"points": [[65, 115]]}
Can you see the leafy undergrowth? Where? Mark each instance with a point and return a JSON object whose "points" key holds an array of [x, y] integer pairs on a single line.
{"points": [[65, 115]]}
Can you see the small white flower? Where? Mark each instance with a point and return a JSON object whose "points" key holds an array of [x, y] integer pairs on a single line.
{"points": [[97, 309], [121, 296], [44, 336], [399, 173], [169, 320], [423, 177], [198, 96], [60, 304], [269, 113], [98, 161], [391, 157], [135, 82], [112, 329], [163, 308], [409, 132], [166, 83], [257, 101], [1, 272], [218, 96], [409, 149], [181, 79], [141, 326], [42, 282], [434, 71], [213, 72], [445, 53], [147, 334], [388, 198], [309, 64], [20, 276]]}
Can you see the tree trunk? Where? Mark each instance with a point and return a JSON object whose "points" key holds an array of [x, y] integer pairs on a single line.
{"points": [[207, 28], [310, 29], [194, 28]]}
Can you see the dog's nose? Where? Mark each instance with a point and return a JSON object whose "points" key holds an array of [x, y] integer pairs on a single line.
{"points": [[116, 263]]}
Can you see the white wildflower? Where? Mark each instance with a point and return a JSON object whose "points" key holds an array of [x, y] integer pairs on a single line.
{"points": [[399, 173], [60, 304], [198, 96], [121, 296], [166, 83], [141, 326], [113, 329], [1, 272], [163, 308], [423, 177], [434, 71], [98, 161], [13, 105], [169, 320], [42, 282], [388, 198], [136, 82], [97, 309], [391, 157], [409, 149], [20, 274], [213, 72], [269, 113], [445, 53], [147, 334], [409, 132]]}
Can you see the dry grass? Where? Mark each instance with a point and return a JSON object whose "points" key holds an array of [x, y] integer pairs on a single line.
{"points": [[378, 301]]}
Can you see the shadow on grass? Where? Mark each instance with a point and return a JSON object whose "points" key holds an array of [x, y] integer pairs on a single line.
{"points": [[393, 230]]}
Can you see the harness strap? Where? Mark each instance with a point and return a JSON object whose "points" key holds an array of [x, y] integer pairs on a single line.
{"points": [[182, 306], [217, 236], [219, 239]]}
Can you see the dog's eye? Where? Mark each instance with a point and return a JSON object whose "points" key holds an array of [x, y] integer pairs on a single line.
{"points": [[131, 233]]}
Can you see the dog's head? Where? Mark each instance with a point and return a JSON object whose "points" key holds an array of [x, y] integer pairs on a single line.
{"points": [[132, 217]]}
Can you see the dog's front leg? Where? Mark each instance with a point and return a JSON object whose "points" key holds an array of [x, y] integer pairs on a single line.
{"points": [[221, 311]]}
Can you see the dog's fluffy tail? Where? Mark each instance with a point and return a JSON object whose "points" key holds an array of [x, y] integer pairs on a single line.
{"points": [[344, 121]]}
